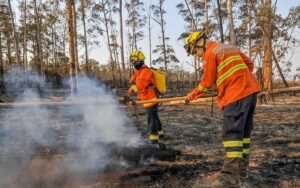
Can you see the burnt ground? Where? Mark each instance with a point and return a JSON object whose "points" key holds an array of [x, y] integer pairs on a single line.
{"points": [[192, 141], [192, 130]]}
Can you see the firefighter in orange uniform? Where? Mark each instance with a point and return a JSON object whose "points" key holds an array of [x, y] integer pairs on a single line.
{"points": [[144, 87], [231, 72]]}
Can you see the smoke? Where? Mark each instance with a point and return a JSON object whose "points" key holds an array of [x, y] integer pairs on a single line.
{"points": [[79, 133]]}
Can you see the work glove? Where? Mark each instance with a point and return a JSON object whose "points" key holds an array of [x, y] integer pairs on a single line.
{"points": [[132, 90], [127, 99], [193, 95]]}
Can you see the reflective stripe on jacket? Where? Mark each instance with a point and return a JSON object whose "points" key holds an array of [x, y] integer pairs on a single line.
{"points": [[144, 79], [231, 71]]}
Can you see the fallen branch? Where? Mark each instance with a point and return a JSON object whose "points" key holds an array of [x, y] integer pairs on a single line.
{"points": [[281, 90]]}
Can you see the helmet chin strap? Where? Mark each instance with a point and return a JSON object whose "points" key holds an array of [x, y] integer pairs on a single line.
{"points": [[138, 65], [201, 46]]}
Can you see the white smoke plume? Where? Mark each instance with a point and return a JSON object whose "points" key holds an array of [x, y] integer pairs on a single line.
{"points": [[80, 132]]}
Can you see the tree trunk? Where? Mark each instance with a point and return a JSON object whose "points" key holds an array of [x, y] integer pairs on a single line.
{"points": [[1, 67], [121, 36], [150, 38], [53, 46], [57, 77], [231, 24], [25, 37], [64, 38], [38, 40], [220, 22], [206, 15], [54, 51], [194, 28], [163, 35], [8, 43], [249, 30], [115, 53], [75, 40], [41, 50], [279, 70], [46, 66], [192, 16], [1, 57], [72, 70], [85, 36], [267, 48], [109, 47], [134, 36], [16, 40]]}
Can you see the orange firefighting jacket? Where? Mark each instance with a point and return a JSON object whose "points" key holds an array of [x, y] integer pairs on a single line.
{"points": [[231, 71], [144, 82]]}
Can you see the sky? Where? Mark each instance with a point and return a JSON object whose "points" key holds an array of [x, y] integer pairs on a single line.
{"points": [[174, 27]]}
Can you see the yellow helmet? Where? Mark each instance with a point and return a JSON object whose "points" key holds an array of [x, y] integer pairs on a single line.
{"points": [[137, 56], [192, 39]]}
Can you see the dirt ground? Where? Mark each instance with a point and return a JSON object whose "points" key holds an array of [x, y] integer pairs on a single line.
{"points": [[196, 134]]}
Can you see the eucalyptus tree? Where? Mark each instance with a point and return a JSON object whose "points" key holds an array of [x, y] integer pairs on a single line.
{"points": [[266, 10], [1, 67], [4, 17], [6, 30], [115, 48], [263, 14], [159, 13], [277, 39], [247, 35], [72, 69], [220, 19], [136, 21], [89, 36], [82, 10], [75, 38], [206, 15], [102, 13], [121, 35], [32, 32], [15, 34], [25, 57], [164, 50], [53, 29], [149, 18], [38, 35], [171, 59], [192, 13], [4, 21], [231, 23], [284, 40]]}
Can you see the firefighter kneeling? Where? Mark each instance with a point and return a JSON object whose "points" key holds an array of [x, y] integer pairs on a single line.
{"points": [[145, 88], [231, 71]]}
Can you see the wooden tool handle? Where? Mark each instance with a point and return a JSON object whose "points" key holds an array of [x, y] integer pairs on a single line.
{"points": [[171, 99]]}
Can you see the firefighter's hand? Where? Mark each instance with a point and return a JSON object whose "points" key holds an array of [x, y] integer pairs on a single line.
{"points": [[132, 90], [193, 95], [126, 99], [132, 80]]}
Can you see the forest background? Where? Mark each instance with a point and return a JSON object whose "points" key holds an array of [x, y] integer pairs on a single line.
{"points": [[61, 40]]}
